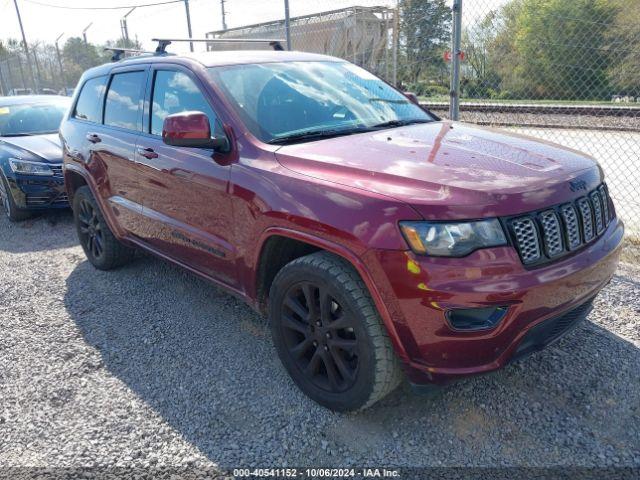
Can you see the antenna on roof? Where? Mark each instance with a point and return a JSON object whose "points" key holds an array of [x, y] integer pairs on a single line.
{"points": [[119, 53], [276, 43]]}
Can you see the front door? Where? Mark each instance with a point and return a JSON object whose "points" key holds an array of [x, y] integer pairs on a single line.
{"points": [[186, 203]]}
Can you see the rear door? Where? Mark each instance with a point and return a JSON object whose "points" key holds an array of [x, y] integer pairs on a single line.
{"points": [[114, 144], [186, 202]]}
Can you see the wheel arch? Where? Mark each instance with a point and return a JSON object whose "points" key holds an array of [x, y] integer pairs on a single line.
{"points": [[73, 180], [265, 270], [76, 177]]}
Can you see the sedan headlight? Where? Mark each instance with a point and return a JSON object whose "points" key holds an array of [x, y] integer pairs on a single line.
{"points": [[455, 239], [29, 168]]}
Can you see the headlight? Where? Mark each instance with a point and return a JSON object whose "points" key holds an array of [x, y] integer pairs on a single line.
{"points": [[29, 168], [455, 239]]}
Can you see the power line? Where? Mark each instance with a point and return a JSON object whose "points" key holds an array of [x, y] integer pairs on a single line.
{"points": [[42, 4]]}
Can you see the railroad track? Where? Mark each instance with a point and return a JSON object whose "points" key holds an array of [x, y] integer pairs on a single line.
{"points": [[613, 110]]}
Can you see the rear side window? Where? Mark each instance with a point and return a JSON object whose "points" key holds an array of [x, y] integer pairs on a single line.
{"points": [[175, 92], [89, 102], [123, 100]]}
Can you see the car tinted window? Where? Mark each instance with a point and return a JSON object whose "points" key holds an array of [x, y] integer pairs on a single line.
{"points": [[175, 92], [123, 100], [89, 106]]}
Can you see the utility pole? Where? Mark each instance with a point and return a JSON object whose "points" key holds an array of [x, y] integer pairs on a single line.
{"points": [[454, 104], [186, 7], [26, 47], [287, 24], [62, 79], [125, 29], [224, 15], [84, 32]]}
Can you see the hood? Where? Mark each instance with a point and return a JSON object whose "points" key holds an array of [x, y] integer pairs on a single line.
{"points": [[46, 147], [449, 170]]}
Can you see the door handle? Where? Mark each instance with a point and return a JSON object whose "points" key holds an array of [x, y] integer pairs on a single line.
{"points": [[93, 138], [147, 153]]}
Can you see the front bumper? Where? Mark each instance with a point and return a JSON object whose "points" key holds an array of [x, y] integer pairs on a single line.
{"points": [[36, 192], [418, 291]]}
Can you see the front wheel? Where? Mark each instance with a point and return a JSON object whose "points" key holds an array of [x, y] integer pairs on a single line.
{"points": [[101, 247], [329, 335], [14, 214]]}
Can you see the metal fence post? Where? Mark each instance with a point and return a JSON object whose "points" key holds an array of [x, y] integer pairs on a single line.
{"points": [[396, 43], [287, 24], [186, 7], [456, 35]]}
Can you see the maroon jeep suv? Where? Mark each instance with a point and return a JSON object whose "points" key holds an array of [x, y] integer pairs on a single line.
{"points": [[382, 241]]}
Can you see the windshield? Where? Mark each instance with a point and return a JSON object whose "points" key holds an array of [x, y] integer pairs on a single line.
{"points": [[31, 118], [293, 99]]}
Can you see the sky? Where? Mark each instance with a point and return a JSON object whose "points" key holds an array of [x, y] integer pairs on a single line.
{"points": [[45, 23]]}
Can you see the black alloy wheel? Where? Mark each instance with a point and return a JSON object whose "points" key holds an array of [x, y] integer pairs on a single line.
{"points": [[90, 229], [101, 247], [329, 334], [320, 337]]}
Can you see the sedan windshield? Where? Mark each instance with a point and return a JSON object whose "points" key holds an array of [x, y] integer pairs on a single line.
{"points": [[31, 118], [303, 101]]}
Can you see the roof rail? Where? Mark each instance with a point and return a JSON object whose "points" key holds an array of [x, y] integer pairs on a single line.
{"points": [[119, 53], [275, 43]]}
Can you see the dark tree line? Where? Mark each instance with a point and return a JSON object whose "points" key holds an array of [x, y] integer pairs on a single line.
{"points": [[555, 49]]}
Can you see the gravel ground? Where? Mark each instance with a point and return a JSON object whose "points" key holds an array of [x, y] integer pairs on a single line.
{"points": [[149, 366]]}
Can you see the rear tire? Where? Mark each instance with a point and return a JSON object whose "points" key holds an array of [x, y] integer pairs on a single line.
{"points": [[14, 214], [329, 335], [100, 246]]}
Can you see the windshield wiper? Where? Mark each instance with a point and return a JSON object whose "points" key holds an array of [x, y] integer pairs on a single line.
{"points": [[315, 135], [329, 133], [399, 123]]}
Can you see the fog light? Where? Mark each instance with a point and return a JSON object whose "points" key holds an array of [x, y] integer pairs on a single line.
{"points": [[475, 318]]}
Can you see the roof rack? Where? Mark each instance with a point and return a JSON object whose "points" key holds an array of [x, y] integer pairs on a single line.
{"points": [[119, 53], [275, 43]]}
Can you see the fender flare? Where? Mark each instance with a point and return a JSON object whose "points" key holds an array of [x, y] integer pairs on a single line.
{"points": [[354, 260]]}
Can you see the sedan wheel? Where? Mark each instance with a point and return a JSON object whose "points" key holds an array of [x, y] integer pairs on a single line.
{"points": [[14, 213]]}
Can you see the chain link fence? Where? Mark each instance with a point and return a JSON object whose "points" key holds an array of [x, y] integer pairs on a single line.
{"points": [[566, 72], [40, 72]]}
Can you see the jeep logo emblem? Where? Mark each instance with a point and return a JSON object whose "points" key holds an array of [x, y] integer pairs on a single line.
{"points": [[578, 185]]}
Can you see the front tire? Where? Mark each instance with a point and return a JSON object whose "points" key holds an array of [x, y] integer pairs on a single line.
{"points": [[329, 335], [100, 246], [14, 214]]}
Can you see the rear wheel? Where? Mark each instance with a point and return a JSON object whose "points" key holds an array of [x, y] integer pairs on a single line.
{"points": [[329, 334], [12, 212], [101, 247]]}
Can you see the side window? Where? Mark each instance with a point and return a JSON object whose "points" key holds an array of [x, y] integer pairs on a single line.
{"points": [[123, 100], [89, 104], [175, 92]]}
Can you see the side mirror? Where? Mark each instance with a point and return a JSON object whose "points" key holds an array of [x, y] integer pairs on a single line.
{"points": [[192, 129], [412, 98]]}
